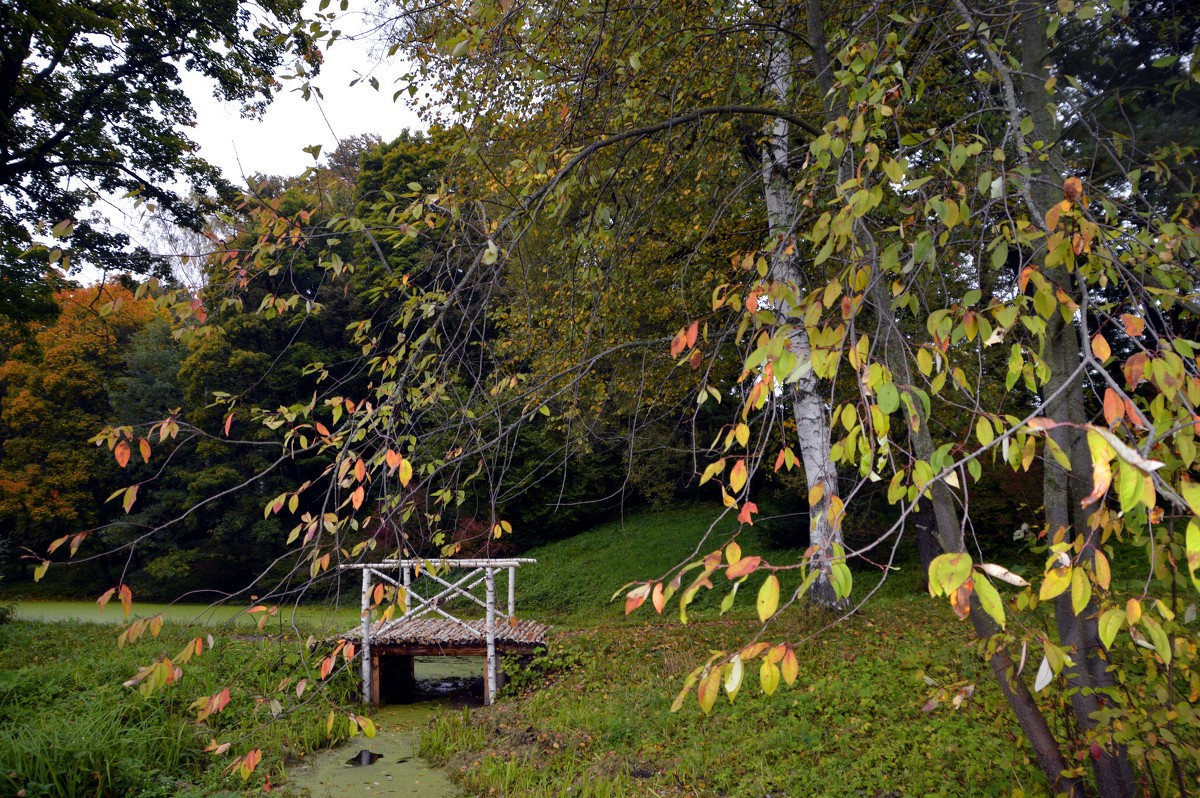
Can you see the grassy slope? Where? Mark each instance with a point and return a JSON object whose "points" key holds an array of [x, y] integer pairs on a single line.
{"points": [[594, 714], [72, 729]]}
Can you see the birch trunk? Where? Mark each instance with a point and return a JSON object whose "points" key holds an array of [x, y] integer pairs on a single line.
{"points": [[808, 405]]}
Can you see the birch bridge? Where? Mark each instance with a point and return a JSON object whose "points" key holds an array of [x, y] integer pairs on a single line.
{"points": [[430, 628]]}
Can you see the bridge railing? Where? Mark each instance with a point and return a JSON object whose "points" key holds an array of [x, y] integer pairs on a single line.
{"points": [[404, 574]]}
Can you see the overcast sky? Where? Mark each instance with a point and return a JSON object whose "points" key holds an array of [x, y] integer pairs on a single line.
{"points": [[274, 144]]}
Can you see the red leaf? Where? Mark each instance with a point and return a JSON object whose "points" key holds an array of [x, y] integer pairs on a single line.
{"points": [[126, 596], [104, 597], [746, 515], [228, 424], [693, 332], [121, 452]]}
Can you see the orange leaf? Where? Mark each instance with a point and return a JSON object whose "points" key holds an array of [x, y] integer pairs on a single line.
{"points": [[679, 342], [356, 498], [960, 600], [635, 597], [657, 598], [1023, 279], [1072, 189], [144, 448], [1114, 408], [104, 597], [326, 667], [126, 596], [228, 424], [693, 333], [393, 459], [695, 360], [130, 497], [746, 515], [1132, 414], [250, 763], [743, 567], [1101, 479], [1134, 368], [121, 452], [1134, 325]]}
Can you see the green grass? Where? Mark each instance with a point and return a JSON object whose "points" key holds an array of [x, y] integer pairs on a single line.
{"points": [[73, 729], [592, 717]]}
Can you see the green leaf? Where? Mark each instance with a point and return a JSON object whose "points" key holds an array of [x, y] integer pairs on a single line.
{"points": [[984, 431], [1081, 590], [768, 597], [948, 572], [1110, 624], [989, 599], [841, 579], [1162, 644], [888, 398], [367, 725], [1193, 550]]}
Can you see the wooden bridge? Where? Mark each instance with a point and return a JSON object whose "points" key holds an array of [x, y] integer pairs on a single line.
{"points": [[428, 628]]}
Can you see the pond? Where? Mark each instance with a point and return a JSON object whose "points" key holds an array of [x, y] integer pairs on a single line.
{"points": [[388, 766], [308, 616]]}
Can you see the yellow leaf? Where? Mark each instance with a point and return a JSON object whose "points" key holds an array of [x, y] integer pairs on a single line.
{"points": [[1100, 348], [768, 597], [1133, 611], [737, 477], [742, 433], [1081, 590], [1102, 571], [1056, 582]]}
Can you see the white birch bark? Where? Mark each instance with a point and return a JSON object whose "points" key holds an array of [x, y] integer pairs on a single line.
{"points": [[808, 406]]}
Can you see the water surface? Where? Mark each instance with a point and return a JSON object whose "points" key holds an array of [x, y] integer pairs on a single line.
{"points": [[442, 682]]}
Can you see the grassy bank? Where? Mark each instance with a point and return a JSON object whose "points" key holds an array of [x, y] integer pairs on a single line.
{"points": [[592, 718], [73, 729]]}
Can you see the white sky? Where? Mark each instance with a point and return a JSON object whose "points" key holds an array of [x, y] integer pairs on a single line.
{"points": [[274, 144]]}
